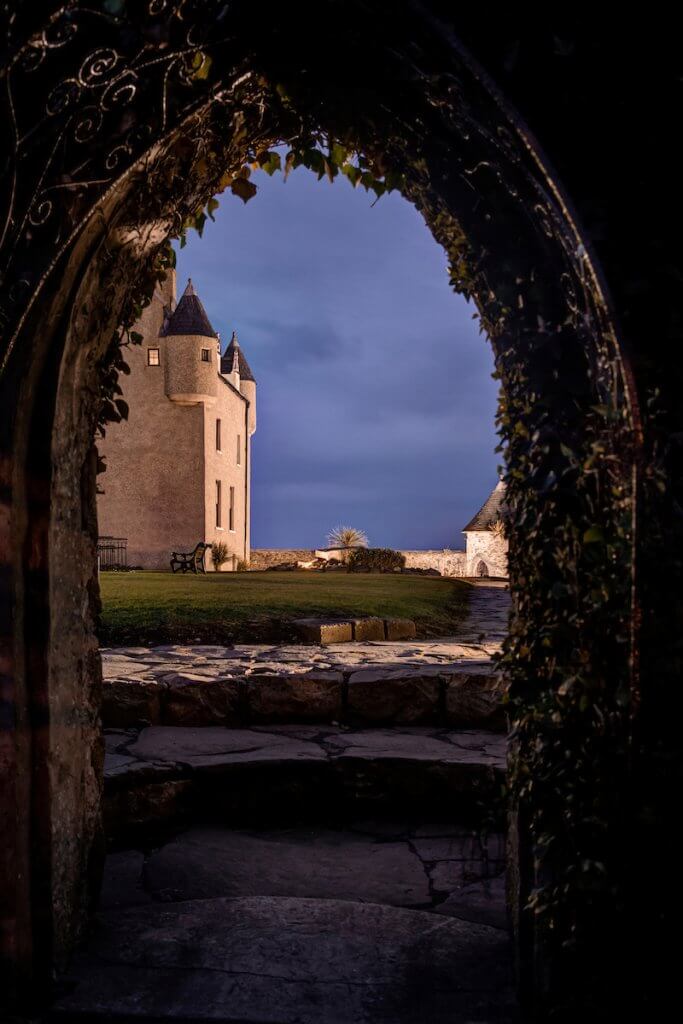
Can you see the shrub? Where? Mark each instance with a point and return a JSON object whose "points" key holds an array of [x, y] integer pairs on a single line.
{"points": [[219, 554], [242, 566], [375, 560]]}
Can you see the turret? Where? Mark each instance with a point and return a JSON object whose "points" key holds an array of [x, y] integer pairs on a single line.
{"points": [[236, 369], [191, 353]]}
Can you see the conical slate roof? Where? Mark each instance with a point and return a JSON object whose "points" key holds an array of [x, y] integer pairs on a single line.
{"points": [[490, 512], [228, 356], [189, 316]]}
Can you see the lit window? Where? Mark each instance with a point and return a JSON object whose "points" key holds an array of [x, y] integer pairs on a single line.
{"points": [[239, 450], [206, 355], [152, 356], [232, 508], [218, 503], [218, 435]]}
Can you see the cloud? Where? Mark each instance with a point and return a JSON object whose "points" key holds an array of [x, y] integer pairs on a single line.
{"points": [[376, 403]]}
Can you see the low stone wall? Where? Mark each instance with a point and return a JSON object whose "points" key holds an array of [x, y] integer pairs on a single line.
{"points": [[445, 561], [262, 558]]}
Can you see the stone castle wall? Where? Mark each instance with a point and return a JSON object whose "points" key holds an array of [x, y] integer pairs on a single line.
{"points": [[159, 488], [152, 456], [445, 561], [263, 558]]}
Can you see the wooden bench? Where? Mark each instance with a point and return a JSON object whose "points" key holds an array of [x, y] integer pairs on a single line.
{"points": [[190, 561]]}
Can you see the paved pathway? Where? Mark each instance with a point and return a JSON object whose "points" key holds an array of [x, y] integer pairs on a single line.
{"points": [[381, 922], [479, 636], [339, 921]]}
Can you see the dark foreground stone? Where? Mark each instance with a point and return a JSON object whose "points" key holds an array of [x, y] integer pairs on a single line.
{"points": [[289, 961], [296, 772]]}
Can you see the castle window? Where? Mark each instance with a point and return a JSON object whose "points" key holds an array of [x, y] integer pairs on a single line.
{"points": [[152, 356], [218, 503], [239, 450], [232, 508], [206, 355], [218, 435]]}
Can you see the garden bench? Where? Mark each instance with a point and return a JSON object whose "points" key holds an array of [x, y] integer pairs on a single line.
{"points": [[190, 561]]}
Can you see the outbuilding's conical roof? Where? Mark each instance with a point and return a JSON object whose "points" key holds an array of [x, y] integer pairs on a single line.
{"points": [[228, 358], [189, 316], [490, 512]]}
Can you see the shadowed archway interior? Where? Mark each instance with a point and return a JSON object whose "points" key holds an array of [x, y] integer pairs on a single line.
{"points": [[125, 124]]}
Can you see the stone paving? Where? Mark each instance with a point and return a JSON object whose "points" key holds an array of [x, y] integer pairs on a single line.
{"points": [[166, 775], [281, 960], [279, 903], [381, 922], [480, 636], [433, 867], [449, 681]]}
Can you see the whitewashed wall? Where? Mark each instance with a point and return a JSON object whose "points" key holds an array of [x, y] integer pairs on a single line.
{"points": [[490, 548]]}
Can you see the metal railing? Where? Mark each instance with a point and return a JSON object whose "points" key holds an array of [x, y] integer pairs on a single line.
{"points": [[112, 553]]}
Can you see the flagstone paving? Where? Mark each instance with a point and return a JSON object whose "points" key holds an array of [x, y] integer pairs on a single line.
{"points": [[450, 681], [381, 921], [246, 887], [479, 637]]}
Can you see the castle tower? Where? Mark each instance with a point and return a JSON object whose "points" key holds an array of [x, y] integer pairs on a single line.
{"points": [[179, 469], [236, 369], [191, 353], [487, 546]]}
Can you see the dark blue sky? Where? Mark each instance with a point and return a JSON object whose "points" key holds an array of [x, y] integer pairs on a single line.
{"points": [[375, 400]]}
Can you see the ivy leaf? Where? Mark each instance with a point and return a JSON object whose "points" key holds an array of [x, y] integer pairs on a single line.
{"points": [[269, 162], [211, 207], [224, 181], [394, 180], [337, 154], [122, 407], [594, 535], [246, 190], [352, 173]]}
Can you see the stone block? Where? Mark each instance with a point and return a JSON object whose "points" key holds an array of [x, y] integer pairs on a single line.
{"points": [[399, 629], [399, 697], [324, 631], [310, 863], [475, 700], [200, 701], [130, 702], [274, 958], [299, 697], [369, 628], [126, 811]]}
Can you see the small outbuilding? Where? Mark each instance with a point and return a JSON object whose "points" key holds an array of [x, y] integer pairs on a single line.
{"points": [[487, 545]]}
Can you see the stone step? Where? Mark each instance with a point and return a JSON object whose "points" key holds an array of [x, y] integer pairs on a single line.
{"points": [[449, 869], [457, 696], [282, 960], [165, 774]]}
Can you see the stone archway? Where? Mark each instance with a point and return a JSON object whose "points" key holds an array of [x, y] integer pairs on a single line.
{"points": [[124, 146]]}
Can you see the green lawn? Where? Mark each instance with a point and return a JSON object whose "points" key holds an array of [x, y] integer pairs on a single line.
{"points": [[156, 607]]}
